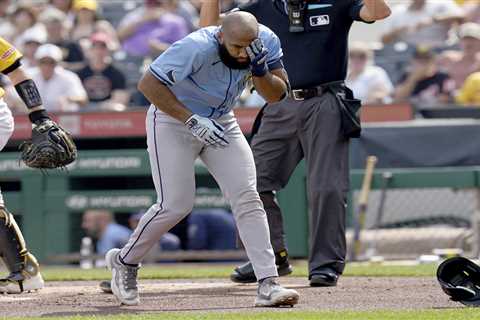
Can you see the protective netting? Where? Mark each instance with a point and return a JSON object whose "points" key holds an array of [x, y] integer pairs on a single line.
{"points": [[415, 222]]}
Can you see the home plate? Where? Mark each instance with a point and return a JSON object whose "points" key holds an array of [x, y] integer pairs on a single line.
{"points": [[172, 286]]}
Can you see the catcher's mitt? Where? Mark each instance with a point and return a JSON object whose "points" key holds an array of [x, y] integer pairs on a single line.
{"points": [[50, 147]]}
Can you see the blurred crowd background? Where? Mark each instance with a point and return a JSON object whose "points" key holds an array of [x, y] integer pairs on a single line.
{"points": [[87, 55]]}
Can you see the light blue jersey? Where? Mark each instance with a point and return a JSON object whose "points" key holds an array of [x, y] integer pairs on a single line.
{"points": [[193, 70]]}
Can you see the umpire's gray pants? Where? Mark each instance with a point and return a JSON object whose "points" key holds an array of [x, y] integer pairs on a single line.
{"points": [[291, 130]]}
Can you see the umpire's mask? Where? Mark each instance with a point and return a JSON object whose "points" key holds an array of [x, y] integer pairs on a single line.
{"points": [[460, 279]]}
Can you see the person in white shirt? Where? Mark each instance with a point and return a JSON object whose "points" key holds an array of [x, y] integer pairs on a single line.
{"points": [[31, 41], [368, 82], [422, 22], [61, 89]]}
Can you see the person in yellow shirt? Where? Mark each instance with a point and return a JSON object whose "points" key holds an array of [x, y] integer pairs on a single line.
{"points": [[466, 2], [469, 93], [23, 267]]}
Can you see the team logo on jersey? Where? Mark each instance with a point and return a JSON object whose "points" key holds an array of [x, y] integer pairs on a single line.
{"points": [[321, 20], [8, 53], [170, 76]]}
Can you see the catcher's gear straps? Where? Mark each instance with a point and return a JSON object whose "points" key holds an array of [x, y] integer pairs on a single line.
{"points": [[12, 245]]}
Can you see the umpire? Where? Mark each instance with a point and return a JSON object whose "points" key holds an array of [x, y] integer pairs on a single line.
{"points": [[315, 123]]}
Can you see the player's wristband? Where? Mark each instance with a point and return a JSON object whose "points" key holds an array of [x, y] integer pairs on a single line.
{"points": [[259, 70], [28, 92]]}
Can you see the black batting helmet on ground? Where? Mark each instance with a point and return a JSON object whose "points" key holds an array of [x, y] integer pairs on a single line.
{"points": [[460, 279]]}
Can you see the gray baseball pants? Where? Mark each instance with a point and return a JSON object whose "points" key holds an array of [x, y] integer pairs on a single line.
{"points": [[173, 151]]}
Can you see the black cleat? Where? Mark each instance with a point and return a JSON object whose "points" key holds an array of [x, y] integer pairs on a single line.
{"points": [[105, 286], [245, 273], [324, 278]]}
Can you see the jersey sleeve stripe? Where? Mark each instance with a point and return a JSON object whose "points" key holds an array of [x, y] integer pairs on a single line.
{"points": [[160, 77]]}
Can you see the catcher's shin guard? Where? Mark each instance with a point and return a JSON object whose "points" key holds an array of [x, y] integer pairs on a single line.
{"points": [[12, 244], [13, 251]]}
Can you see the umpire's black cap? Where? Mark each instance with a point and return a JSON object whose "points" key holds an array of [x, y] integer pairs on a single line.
{"points": [[460, 279]]}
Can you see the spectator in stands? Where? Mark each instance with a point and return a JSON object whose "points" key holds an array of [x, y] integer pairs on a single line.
{"points": [[211, 229], [474, 14], [87, 21], [184, 9], [31, 41], [100, 226], [57, 28], [150, 29], [6, 27], [225, 5], [422, 22], [168, 242], [36, 5], [460, 64], [425, 84], [65, 6], [61, 89], [368, 82], [105, 84], [472, 10], [469, 93], [24, 20]]}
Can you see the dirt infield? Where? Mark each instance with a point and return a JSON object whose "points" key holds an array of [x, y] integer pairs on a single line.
{"points": [[219, 295]]}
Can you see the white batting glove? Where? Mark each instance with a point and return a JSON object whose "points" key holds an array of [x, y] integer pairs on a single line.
{"points": [[207, 131]]}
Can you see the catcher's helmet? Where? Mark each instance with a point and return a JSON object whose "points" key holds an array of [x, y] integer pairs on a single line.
{"points": [[460, 279]]}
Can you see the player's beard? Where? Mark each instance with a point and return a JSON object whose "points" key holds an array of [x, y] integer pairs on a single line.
{"points": [[230, 61]]}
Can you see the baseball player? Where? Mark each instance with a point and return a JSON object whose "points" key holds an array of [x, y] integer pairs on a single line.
{"points": [[44, 151], [315, 123], [192, 87]]}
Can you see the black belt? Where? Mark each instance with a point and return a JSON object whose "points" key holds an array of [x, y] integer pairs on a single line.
{"points": [[304, 94]]}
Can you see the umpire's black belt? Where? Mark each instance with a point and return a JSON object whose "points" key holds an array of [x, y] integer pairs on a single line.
{"points": [[304, 94]]}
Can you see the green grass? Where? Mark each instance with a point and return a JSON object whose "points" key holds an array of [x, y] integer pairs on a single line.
{"points": [[457, 314], [196, 271]]}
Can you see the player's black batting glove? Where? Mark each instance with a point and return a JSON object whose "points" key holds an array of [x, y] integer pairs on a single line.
{"points": [[258, 58], [207, 131]]}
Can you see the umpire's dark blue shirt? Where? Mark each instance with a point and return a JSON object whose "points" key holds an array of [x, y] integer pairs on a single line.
{"points": [[320, 54]]}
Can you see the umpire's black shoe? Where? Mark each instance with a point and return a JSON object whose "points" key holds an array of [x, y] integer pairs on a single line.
{"points": [[245, 273], [324, 277], [105, 286]]}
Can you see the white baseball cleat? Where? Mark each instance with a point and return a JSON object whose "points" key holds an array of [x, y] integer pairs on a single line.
{"points": [[124, 279], [12, 284], [27, 279], [271, 294]]}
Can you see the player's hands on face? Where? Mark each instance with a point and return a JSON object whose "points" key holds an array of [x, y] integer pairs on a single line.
{"points": [[207, 131], [258, 58]]}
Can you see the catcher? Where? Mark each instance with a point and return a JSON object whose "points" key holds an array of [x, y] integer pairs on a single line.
{"points": [[50, 147]]}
